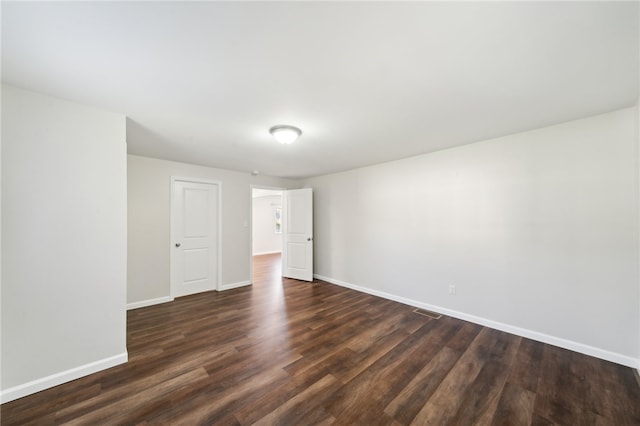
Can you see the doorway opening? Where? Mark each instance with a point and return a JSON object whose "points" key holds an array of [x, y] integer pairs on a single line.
{"points": [[266, 227]]}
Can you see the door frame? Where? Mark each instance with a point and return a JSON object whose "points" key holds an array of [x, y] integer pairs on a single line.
{"points": [[251, 188], [172, 216]]}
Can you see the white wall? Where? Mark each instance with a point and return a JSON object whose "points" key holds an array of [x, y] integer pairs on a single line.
{"points": [[638, 217], [265, 239], [536, 230], [64, 241], [149, 193]]}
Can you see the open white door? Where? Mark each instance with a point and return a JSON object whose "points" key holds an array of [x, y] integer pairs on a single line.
{"points": [[195, 240], [297, 228]]}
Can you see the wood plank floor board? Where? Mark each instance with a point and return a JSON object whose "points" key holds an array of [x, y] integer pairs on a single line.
{"points": [[322, 348], [376, 386], [286, 352], [254, 410], [408, 403], [445, 402], [480, 400], [505, 348], [118, 410], [464, 336], [515, 406], [559, 397], [213, 407], [297, 409], [526, 368], [380, 329]]}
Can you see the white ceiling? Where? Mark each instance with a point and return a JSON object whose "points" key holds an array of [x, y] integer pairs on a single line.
{"points": [[202, 82]]}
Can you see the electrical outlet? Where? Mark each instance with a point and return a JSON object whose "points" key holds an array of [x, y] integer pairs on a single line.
{"points": [[452, 289]]}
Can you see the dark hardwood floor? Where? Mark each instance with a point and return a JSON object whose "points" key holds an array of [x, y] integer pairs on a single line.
{"points": [[294, 353]]}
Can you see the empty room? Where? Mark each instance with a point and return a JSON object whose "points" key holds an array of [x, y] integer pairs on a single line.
{"points": [[301, 213]]}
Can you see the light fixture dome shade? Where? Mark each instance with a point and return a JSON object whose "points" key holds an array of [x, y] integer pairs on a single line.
{"points": [[285, 134]]}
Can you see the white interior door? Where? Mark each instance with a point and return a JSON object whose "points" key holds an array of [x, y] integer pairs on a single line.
{"points": [[195, 229], [297, 249]]}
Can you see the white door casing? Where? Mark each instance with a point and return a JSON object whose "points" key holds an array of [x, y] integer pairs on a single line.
{"points": [[297, 228], [195, 235]]}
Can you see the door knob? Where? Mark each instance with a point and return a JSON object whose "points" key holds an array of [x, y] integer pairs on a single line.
{"points": [[177, 244], [309, 239]]}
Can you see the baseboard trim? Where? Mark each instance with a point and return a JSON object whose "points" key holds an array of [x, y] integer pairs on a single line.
{"points": [[149, 302], [47, 382], [523, 332], [267, 252], [224, 287]]}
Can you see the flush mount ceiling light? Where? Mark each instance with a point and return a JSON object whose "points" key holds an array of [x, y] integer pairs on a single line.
{"points": [[285, 134]]}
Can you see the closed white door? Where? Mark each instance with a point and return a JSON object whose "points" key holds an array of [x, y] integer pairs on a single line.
{"points": [[195, 228], [297, 250]]}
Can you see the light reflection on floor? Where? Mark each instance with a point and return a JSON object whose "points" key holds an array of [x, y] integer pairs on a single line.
{"points": [[268, 296]]}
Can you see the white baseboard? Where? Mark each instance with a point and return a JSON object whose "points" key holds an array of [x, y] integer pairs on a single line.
{"points": [[43, 383], [530, 334], [149, 302], [267, 252], [224, 287]]}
